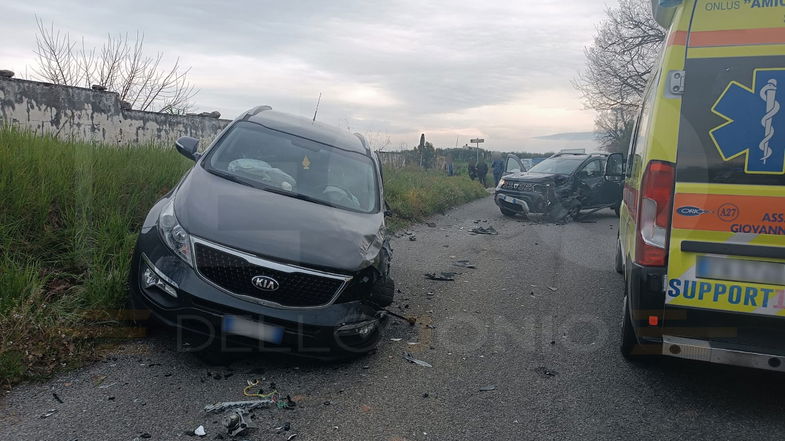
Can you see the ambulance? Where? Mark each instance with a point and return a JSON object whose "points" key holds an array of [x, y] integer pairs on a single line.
{"points": [[702, 225]]}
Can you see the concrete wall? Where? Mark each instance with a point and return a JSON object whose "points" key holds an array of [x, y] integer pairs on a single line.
{"points": [[94, 116]]}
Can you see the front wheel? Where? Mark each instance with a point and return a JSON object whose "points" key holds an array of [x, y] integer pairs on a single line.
{"points": [[506, 212]]}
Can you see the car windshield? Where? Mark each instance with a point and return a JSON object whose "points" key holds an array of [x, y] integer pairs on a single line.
{"points": [[560, 165], [254, 155]]}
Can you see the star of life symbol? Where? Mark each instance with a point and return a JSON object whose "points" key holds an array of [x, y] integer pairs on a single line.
{"points": [[755, 125]]}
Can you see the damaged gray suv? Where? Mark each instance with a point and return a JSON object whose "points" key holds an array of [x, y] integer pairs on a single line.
{"points": [[274, 239], [561, 186]]}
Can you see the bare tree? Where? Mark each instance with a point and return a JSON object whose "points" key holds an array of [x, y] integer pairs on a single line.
{"points": [[378, 140], [120, 66], [618, 67]]}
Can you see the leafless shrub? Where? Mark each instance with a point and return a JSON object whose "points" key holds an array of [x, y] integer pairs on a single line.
{"points": [[120, 65]]}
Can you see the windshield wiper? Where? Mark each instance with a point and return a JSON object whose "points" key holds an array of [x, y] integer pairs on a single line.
{"points": [[298, 196], [231, 177]]}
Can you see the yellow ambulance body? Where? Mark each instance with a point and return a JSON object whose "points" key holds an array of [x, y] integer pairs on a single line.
{"points": [[702, 225]]}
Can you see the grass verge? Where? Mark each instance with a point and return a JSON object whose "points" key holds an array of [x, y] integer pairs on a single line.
{"points": [[69, 218], [414, 194]]}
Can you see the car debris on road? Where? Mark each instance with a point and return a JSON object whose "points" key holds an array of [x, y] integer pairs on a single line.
{"points": [[483, 230], [441, 277], [464, 264], [410, 358], [236, 425], [246, 405]]}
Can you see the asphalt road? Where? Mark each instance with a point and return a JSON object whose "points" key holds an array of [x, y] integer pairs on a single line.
{"points": [[538, 319]]}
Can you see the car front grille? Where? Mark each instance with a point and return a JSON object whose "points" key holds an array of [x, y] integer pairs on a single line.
{"points": [[521, 186], [299, 288]]}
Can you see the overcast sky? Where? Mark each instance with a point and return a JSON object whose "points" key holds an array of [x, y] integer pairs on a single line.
{"points": [[456, 69]]}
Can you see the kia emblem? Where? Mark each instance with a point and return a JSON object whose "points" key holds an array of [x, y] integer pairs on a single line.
{"points": [[265, 283]]}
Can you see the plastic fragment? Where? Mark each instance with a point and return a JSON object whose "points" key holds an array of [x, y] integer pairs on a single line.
{"points": [[410, 358], [245, 405], [545, 372], [464, 264], [48, 413], [442, 277], [488, 388], [199, 431], [482, 230]]}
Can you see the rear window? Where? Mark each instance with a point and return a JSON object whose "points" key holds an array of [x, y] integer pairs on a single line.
{"points": [[732, 130]]}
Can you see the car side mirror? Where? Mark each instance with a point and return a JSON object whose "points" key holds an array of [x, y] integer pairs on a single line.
{"points": [[187, 147], [614, 168]]}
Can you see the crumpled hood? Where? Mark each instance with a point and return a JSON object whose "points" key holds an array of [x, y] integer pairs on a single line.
{"points": [[275, 226], [534, 178]]}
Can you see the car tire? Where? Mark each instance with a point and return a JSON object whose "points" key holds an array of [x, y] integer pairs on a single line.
{"points": [[619, 264], [628, 338], [383, 292], [508, 213]]}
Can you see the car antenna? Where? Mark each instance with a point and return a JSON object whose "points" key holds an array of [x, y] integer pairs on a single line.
{"points": [[317, 107]]}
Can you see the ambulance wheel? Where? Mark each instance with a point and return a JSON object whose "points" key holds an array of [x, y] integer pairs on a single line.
{"points": [[619, 264], [628, 338], [508, 213]]}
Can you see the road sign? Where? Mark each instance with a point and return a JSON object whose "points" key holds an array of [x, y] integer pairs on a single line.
{"points": [[477, 141]]}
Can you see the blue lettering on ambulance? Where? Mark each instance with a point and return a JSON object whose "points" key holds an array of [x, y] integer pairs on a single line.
{"points": [[749, 296], [675, 287], [714, 292]]}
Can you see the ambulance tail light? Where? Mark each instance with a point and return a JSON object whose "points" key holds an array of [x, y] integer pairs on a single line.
{"points": [[654, 214]]}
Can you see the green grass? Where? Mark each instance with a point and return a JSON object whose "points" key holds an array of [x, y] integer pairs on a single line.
{"points": [[69, 217], [413, 194]]}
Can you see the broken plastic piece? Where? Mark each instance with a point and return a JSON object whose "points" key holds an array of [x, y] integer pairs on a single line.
{"points": [[199, 431], [545, 372], [488, 388], [48, 413], [482, 230], [464, 264], [235, 423], [443, 277], [245, 405], [408, 357]]}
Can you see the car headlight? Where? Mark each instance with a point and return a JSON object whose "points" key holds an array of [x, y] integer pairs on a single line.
{"points": [[501, 183], [173, 234]]}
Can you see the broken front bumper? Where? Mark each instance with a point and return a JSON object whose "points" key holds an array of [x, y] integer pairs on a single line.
{"points": [[524, 202], [184, 300]]}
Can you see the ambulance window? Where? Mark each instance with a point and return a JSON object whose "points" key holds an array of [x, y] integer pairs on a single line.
{"points": [[639, 143]]}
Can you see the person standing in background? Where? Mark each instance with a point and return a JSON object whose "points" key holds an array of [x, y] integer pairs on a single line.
{"points": [[482, 172], [498, 170], [472, 170]]}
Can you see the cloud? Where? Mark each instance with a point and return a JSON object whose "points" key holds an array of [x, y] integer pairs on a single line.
{"points": [[497, 69]]}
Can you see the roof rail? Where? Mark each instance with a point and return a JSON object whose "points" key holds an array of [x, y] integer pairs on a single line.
{"points": [[572, 151], [363, 141], [256, 110]]}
